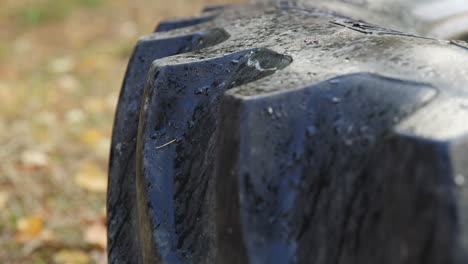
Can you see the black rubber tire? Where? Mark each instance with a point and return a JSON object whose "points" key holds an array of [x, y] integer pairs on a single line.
{"points": [[291, 133]]}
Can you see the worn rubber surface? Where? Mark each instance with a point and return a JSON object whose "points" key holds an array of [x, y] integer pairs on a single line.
{"points": [[293, 132]]}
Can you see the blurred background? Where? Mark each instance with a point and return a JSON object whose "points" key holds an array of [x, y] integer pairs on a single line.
{"points": [[61, 66]]}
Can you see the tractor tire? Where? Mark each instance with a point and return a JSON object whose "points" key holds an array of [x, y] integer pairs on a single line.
{"points": [[294, 132]]}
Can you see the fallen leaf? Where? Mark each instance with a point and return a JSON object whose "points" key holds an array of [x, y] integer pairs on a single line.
{"points": [[47, 235], [22, 45], [75, 116], [47, 118], [99, 256], [68, 82], [91, 178], [95, 104], [6, 92], [62, 65], [91, 136], [96, 235], [66, 256], [4, 197], [93, 62], [111, 101], [102, 147], [34, 158], [28, 228], [128, 29]]}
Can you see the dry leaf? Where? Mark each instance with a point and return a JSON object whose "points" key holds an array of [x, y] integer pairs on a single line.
{"points": [[68, 82], [102, 148], [111, 101], [28, 228], [62, 65], [71, 257], [128, 29], [75, 116], [47, 235], [96, 235], [93, 63], [33, 158], [47, 118], [91, 178], [95, 104], [99, 256], [6, 92], [91, 136], [4, 197], [23, 45]]}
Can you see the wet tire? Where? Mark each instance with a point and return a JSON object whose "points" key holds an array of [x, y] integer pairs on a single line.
{"points": [[291, 134]]}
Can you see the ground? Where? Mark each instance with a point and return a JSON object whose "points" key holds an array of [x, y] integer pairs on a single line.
{"points": [[61, 67]]}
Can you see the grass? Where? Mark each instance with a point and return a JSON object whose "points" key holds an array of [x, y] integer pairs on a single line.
{"points": [[50, 10]]}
